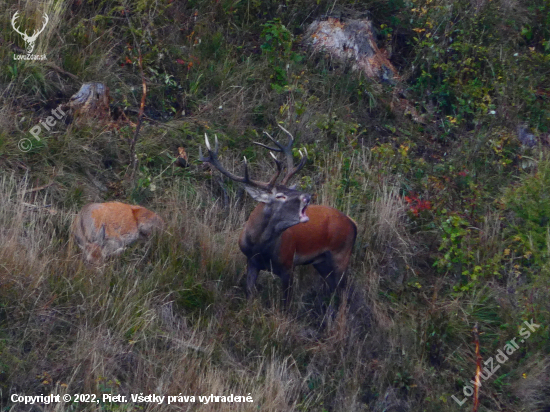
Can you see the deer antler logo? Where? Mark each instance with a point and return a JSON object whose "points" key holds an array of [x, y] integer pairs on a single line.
{"points": [[29, 40]]}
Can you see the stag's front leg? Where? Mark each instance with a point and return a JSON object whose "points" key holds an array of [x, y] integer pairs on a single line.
{"points": [[252, 270], [286, 278]]}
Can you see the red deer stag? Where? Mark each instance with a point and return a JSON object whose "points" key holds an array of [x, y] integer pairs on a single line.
{"points": [[279, 235], [106, 229]]}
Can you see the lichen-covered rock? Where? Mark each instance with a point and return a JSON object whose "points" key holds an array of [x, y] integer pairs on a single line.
{"points": [[352, 41], [527, 139], [91, 101]]}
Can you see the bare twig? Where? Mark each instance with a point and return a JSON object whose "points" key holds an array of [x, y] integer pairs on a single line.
{"points": [[133, 142], [36, 189], [60, 70], [140, 119]]}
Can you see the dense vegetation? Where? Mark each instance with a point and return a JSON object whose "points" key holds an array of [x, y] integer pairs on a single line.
{"points": [[453, 206]]}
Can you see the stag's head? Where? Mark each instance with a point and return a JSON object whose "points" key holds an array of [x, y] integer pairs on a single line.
{"points": [[29, 40], [285, 206]]}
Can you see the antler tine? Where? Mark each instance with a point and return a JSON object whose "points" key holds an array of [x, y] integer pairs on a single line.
{"points": [[281, 148], [288, 133], [287, 150], [279, 170], [213, 160], [291, 170], [245, 170], [294, 170], [272, 149], [217, 146], [201, 157]]}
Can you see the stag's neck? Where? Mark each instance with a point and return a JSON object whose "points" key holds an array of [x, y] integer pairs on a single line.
{"points": [[260, 231]]}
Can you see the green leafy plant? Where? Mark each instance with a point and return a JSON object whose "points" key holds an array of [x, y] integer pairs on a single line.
{"points": [[530, 203], [277, 46]]}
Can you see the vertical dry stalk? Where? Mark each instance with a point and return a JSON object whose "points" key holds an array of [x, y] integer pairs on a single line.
{"points": [[475, 332], [133, 164]]}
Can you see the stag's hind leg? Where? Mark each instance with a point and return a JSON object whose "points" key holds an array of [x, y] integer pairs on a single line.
{"points": [[341, 263], [332, 271], [326, 270]]}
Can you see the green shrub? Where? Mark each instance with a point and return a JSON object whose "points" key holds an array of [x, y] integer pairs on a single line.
{"points": [[470, 65], [530, 203]]}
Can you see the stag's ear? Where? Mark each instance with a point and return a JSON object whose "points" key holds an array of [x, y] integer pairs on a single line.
{"points": [[293, 187], [258, 194]]}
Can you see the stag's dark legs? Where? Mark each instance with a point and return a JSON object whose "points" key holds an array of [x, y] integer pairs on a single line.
{"points": [[286, 277], [252, 270], [333, 272]]}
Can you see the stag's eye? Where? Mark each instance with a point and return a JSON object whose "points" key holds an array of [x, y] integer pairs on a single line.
{"points": [[280, 196]]}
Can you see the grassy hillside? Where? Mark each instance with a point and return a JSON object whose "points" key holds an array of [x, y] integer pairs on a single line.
{"points": [[452, 206]]}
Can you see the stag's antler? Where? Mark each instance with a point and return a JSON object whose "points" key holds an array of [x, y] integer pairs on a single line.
{"points": [[213, 160], [291, 170]]}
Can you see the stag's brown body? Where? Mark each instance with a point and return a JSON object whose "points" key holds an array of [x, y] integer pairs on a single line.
{"points": [[328, 235], [102, 230], [325, 241], [284, 231]]}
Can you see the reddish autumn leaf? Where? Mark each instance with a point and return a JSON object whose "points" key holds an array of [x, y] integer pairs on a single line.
{"points": [[424, 205]]}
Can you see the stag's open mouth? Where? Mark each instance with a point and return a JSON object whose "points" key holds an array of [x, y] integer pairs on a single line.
{"points": [[303, 216]]}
